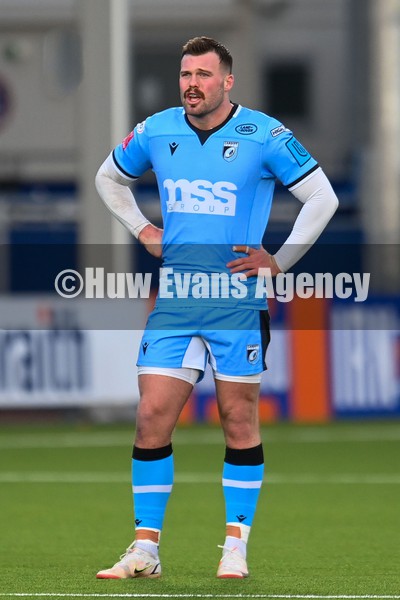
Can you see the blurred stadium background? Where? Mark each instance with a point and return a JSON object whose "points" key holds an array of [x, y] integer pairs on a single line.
{"points": [[75, 76]]}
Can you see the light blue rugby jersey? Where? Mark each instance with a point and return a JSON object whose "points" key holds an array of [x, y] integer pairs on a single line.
{"points": [[214, 193]]}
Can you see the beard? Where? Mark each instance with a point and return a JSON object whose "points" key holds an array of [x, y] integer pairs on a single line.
{"points": [[202, 107]]}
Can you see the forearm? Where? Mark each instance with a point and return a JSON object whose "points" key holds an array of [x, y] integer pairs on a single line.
{"points": [[319, 204]]}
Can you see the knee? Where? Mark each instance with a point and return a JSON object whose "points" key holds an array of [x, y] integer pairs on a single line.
{"points": [[240, 424], [149, 429]]}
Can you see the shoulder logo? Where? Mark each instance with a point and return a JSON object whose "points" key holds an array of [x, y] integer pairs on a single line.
{"points": [[230, 151], [126, 140], [140, 127], [278, 130], [246, 128]]}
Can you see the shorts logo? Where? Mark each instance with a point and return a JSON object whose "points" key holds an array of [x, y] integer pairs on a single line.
{"points": [[230, 151], [253, 351], [246, 128], [299, 153]]}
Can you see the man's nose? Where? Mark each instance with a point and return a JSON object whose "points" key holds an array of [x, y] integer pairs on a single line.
{"points": [[193, 82]]}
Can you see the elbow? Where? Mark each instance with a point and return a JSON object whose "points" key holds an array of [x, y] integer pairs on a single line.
{"points": [[329, 203], [98, 181], [334, 204], [101, 182]]}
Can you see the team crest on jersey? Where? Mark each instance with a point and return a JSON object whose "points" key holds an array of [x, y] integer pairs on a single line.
{"points": [[230, 151], [126, 140], [253, 351]]}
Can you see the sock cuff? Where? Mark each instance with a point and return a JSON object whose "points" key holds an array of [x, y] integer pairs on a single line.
{"points": [[147, 454], [245, 457]]}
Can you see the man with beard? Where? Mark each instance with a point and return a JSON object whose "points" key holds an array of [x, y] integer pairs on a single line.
{"points": [[216, 163]]}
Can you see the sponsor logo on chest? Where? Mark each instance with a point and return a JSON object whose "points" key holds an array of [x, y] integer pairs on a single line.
{"points": [[201, 196]]}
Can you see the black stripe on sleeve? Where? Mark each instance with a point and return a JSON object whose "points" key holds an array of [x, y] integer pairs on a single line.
{"points": [[302, 177], [121, 169]]}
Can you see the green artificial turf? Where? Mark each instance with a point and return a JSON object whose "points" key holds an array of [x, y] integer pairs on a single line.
{"points": [[328, 520]]}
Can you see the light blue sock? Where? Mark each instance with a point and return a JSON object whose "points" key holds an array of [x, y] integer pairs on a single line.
{"points": [[241, 479], [152, 479], [241, 486]]}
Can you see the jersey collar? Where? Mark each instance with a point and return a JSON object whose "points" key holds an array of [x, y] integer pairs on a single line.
{"points": [[203, 134]]}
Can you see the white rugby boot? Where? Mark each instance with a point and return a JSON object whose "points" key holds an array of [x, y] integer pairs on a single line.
{"points": [[232, 565], [135, 562]]}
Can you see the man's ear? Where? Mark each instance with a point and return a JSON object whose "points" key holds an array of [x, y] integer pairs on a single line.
{"points": [[229, 81]]}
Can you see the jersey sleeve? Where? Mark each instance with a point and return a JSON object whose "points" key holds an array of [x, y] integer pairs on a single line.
{"points": [[132, 157], [284, 157]]}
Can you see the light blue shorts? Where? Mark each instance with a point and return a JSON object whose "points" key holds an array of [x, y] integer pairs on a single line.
{"points": [[233, 341]]}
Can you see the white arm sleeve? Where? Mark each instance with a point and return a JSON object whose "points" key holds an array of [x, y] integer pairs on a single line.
{"points": [[320, 203], [113, 189]]}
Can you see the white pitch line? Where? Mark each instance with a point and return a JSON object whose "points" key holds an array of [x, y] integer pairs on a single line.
{"points": [[301, 435], [199, 478], [62, 440], [283, 596]]}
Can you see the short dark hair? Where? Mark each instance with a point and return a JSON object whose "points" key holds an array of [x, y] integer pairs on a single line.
{"points": [[203, 44]]}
